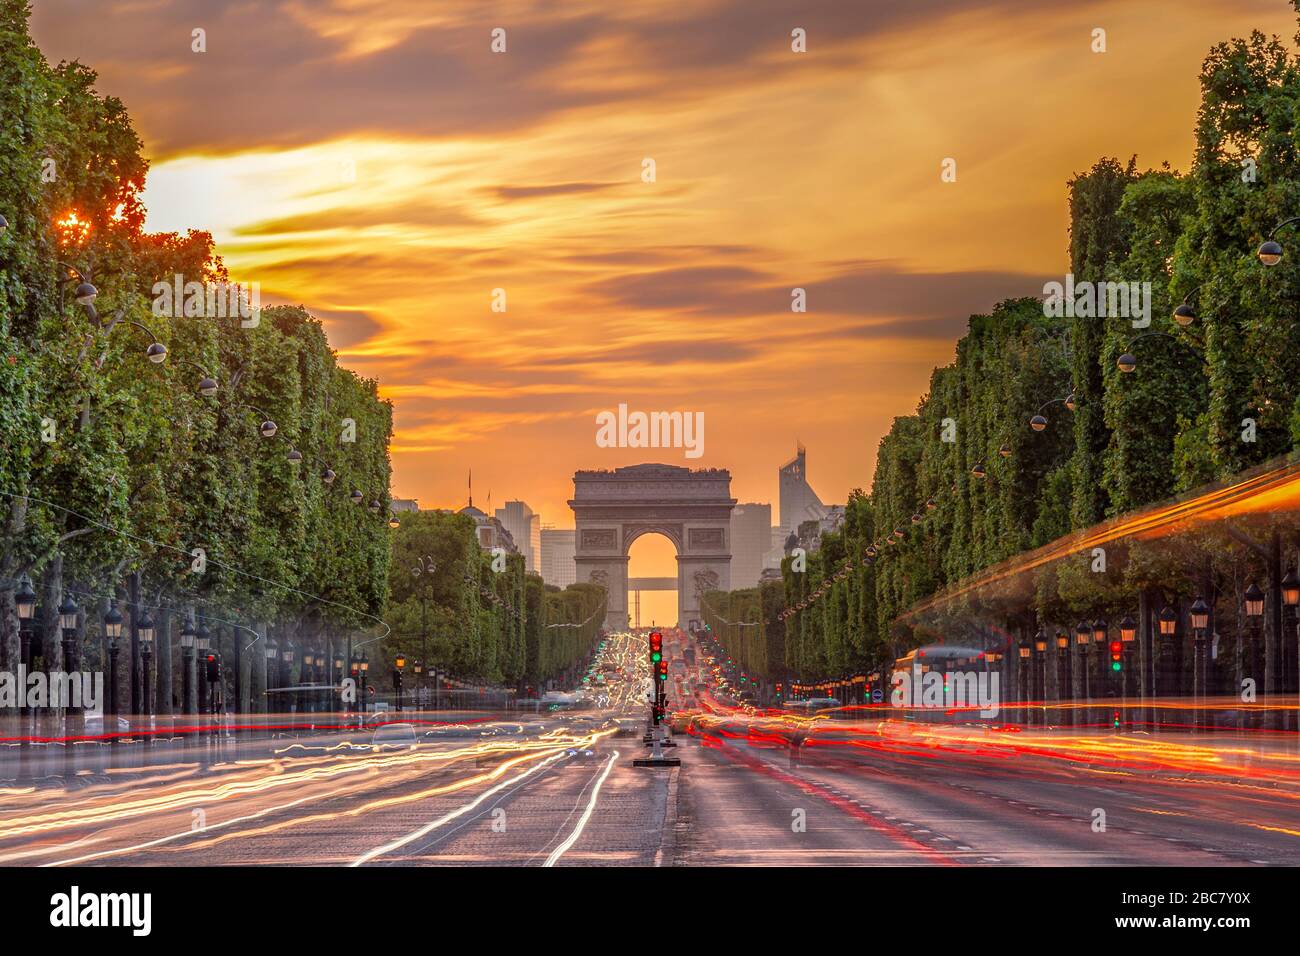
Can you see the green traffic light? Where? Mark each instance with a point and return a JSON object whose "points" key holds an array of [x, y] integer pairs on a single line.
{"points": [[1116, 666], [656, 656]]}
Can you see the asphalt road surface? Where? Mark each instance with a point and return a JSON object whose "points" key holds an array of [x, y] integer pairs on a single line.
{"points": [[560, 789]]}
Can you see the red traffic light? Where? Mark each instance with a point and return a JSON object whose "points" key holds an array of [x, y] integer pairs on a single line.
{"points": [[656, 640]]}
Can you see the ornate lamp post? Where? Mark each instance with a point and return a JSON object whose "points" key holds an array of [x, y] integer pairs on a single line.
{"points": [[188, 638], [1082, 640], [1290, 601], [1063, 675], [1253, 601], [286, 667], [1167, 621], [1200, 618], [68, 614], [202, 650], [272, 680], [145, 629], [1040, 648]]}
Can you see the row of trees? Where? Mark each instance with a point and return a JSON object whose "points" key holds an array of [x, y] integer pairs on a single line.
{"points": [[450, 605], [966, 483], [117, 470]]}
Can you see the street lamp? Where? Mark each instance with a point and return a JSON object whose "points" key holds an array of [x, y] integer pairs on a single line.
{"points": [[1199, 614], [145, 631], [1128, 629], [68, 618], [1270, 251], [25, 599], [357, 497], [68, 613], [113, 621], [1291, 588], [112, 631], [189, 636], [1254, 601], [1127, 362], [1168, 621], [1039, 421]]}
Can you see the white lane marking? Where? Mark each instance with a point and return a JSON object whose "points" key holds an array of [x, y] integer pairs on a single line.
{"points": [[564, 847], [444, 820]]}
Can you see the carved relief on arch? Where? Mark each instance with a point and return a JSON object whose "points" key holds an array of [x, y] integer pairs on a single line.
{"points": [[706, 579]]}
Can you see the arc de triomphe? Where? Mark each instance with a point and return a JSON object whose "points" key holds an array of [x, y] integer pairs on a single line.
{"points": [[691, 508]]}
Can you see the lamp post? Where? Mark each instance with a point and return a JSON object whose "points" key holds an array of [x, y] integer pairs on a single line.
{"points": [[146, 632], [188, 638], [336, 673], [1200, 618], [1040, 648], [286, 668], [1167, 621], [1100, 634], [1082, 640], [1253, 601], [25, 603], [1024, 672], [112, 631], [272, 652], [305, 678], [1064, 676], [68, 613], [202, 650], [365, 677], [1290, 601], [355, 666]]}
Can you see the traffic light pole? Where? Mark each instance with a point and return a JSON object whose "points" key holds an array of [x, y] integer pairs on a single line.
{"points": [[659, 676]]}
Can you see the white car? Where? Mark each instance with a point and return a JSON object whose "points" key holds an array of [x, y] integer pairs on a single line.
{"points": [[394, 737]]}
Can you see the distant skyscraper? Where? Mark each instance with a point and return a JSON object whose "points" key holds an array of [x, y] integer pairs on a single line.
{"points": [[799, 503], [751, 538], [558, 547], [525, 528]]}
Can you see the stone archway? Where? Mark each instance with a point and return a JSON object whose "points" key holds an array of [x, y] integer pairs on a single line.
{"points": [[691, 508]]}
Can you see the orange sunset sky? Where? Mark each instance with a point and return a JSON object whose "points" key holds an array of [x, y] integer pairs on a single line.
{"points": [[375, 161]]}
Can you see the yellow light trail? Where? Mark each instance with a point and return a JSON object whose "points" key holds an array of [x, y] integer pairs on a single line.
{"points": [[1275, 489]]}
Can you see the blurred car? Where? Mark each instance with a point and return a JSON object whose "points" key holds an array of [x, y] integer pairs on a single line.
{"points": [[94, 725], [394, 737]]}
